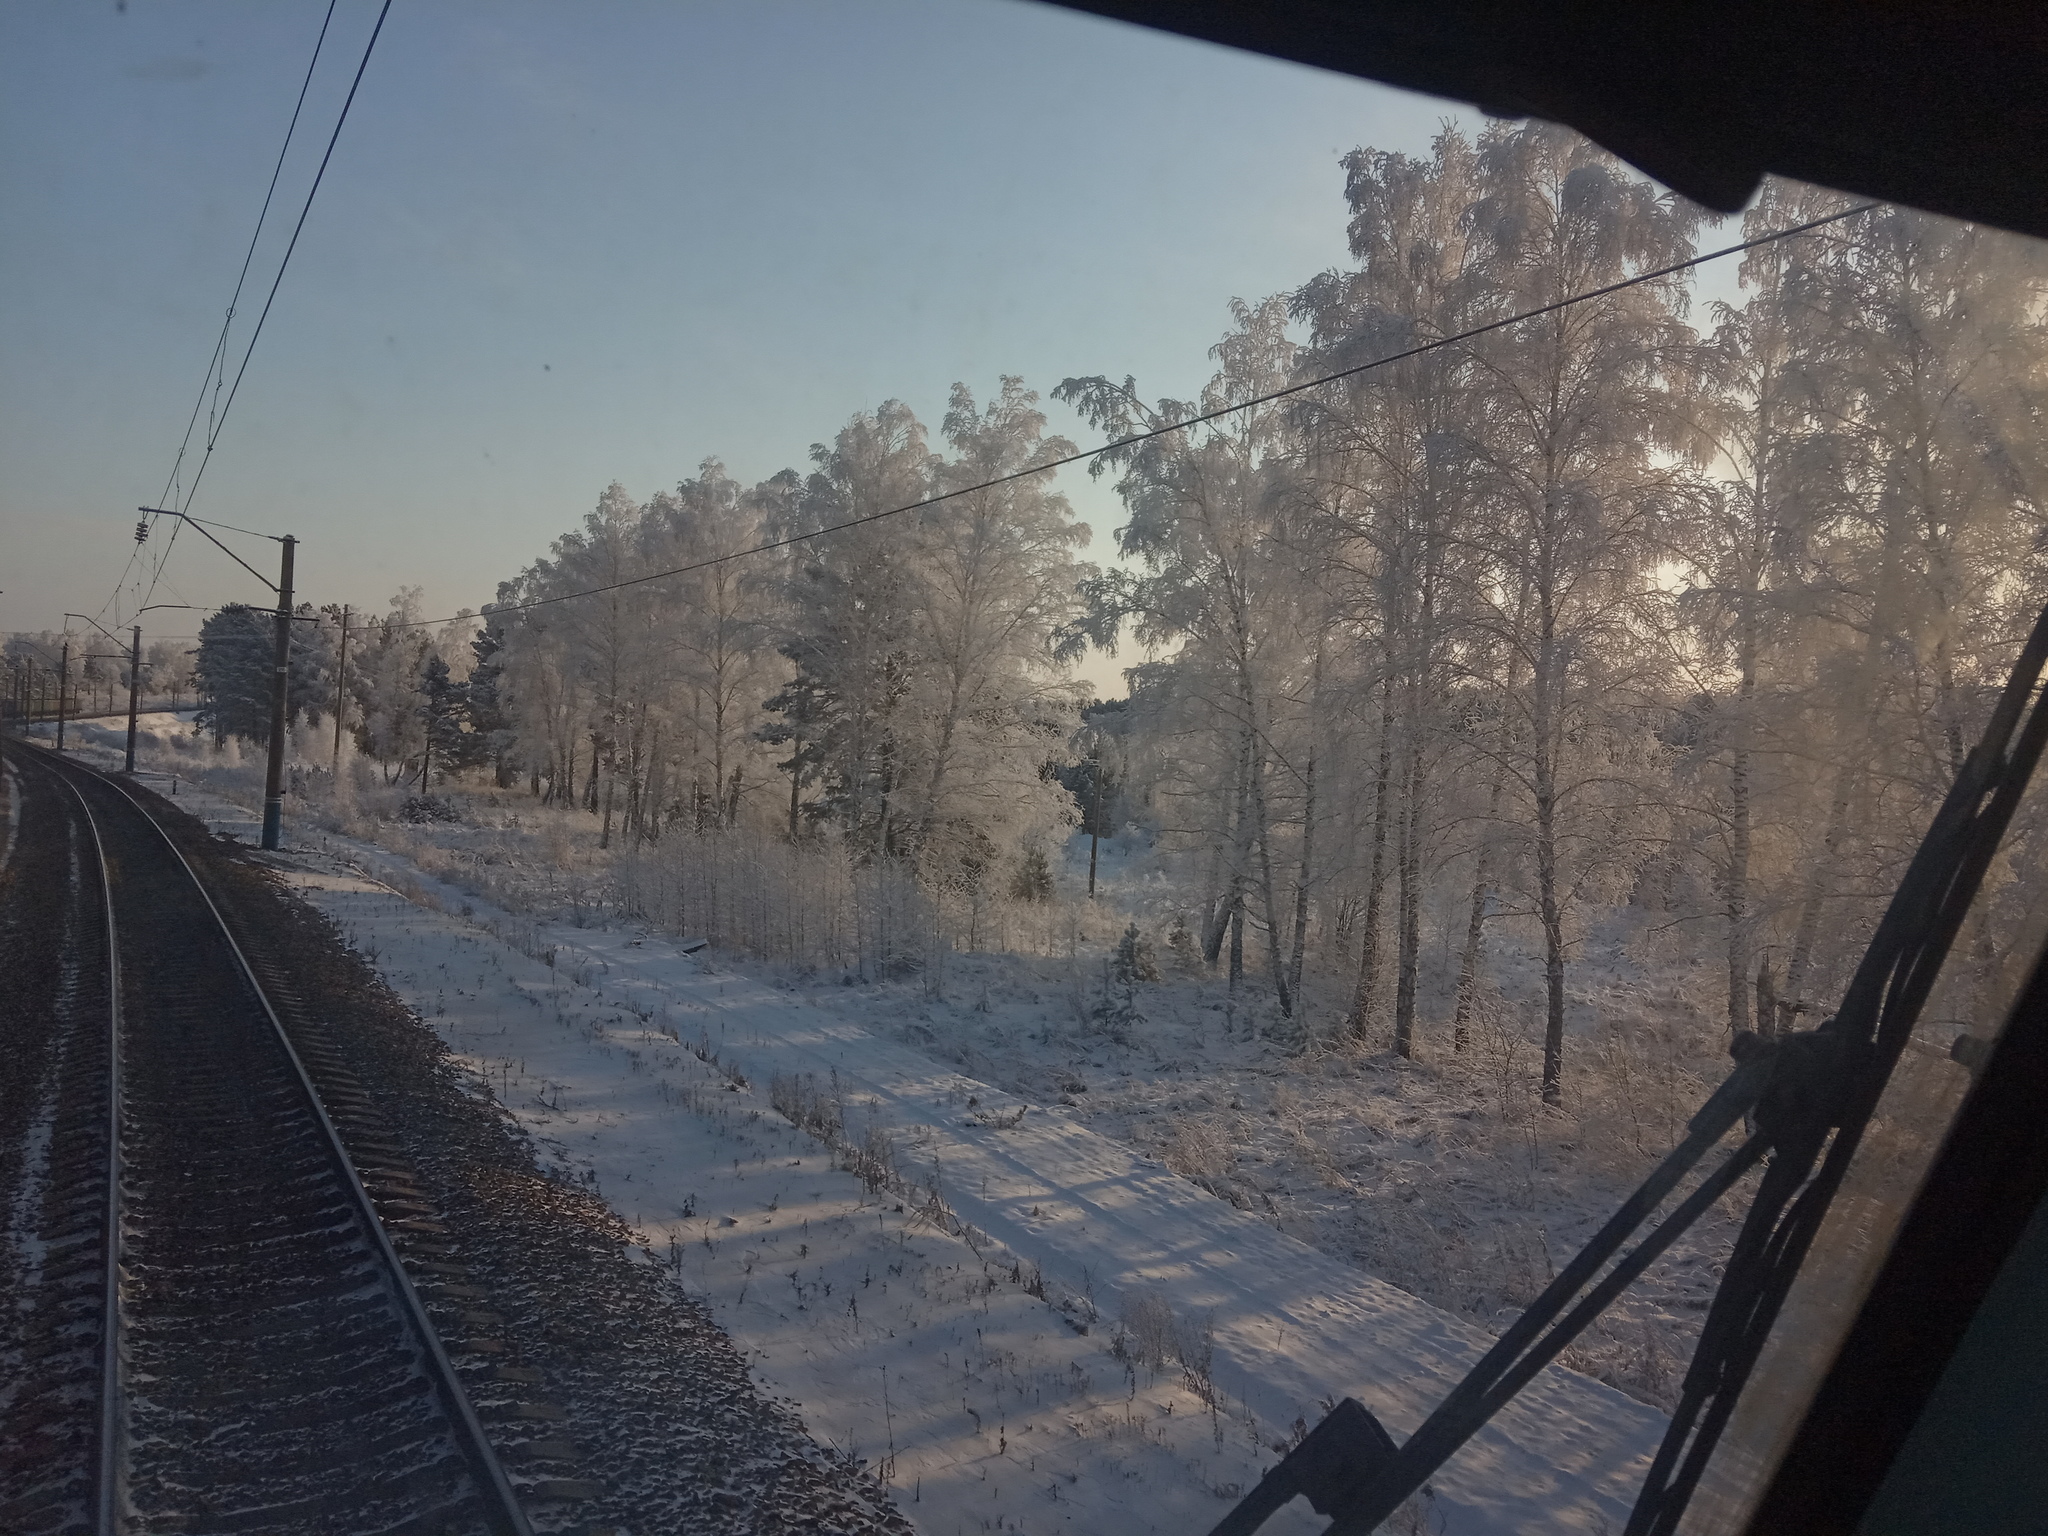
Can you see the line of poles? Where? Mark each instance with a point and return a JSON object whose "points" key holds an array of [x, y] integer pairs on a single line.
{"points": [[25, 703], [29, 688]]}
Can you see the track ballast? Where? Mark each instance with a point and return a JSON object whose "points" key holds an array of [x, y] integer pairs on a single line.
{"points": [[266, 1365]]}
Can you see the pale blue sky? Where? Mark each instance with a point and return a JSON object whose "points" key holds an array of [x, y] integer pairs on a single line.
{"points": [[565, 244]]}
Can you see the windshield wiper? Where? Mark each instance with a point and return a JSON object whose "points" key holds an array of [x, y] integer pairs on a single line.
{"points": [[1806, 1099]]}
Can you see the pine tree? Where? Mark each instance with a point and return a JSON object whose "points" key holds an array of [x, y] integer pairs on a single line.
{"points": [[443, 708], [233, 670], [489, 718]]}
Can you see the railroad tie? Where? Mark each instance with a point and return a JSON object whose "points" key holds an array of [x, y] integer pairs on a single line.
{"points": [[545, 1450], [551, 1413], [567, 1489]]}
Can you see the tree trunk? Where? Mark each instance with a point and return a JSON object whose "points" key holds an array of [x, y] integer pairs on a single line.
{"points": [[1738, 858], [657, 782], [1264, 830], [796, 781], [1468, 958], [1308, 828], [1236, 937], [1215, 910], [1808, 929], [1475, 923], [942, 761], [1409, 919], [1483, 870], [1359, 1024], [1301, 883], [1240, 851], [1545, 775], [1553, 940], [1421, 649], [718, 751], [1766, 1000]]}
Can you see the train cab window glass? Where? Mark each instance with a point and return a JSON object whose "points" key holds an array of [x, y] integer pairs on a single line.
{"points": [[1329, 665]]}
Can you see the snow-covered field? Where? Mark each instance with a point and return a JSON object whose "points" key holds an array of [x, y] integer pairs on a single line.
{"points": [[1443, 1175], [1012, 1311]]}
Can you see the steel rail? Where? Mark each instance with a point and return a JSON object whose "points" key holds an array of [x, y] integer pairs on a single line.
{"points": [[107, 1468], [503, 1514], [107, 1476]]}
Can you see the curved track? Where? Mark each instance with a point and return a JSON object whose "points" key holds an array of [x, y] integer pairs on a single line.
{"points": [[214, 1331]]}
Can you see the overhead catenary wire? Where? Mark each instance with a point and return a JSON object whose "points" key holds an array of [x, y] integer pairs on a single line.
{"points": [[215, 364], [1200, 419], [218, 423]]}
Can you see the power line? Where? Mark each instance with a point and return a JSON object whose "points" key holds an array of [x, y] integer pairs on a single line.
{"points": [[208, 522], [1177, 426], [216, 362], [218, 423], [216, 427]]}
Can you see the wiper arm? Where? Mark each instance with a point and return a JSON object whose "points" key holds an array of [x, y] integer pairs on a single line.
{"points": [[1807, 1098]]}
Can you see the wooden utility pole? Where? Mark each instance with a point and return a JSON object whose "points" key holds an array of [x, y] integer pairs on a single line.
{"points": [[340, 694], [63, 682], [134, 692], [273, 778]]}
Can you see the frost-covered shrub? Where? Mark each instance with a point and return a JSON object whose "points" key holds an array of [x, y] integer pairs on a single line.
{"points": [[874, 1160], [1032, 878], [800, 1101], [1134, 961], [1194, 1340], [423, 810], [1150, 1334], [1197, 1150], [1148, 1329], [1116, 1012], [808, 903]]}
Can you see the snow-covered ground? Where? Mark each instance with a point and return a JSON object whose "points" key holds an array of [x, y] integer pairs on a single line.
{"points": [[1014, 1354], [1444, 1175]]}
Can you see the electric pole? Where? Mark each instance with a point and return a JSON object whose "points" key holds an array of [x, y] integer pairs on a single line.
{"points": [[273, 779], [340, 695], [281, 660], [134, 685], [63, 683]]}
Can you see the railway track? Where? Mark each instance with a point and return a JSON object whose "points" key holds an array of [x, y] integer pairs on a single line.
{"points": [[215, 1328]]}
